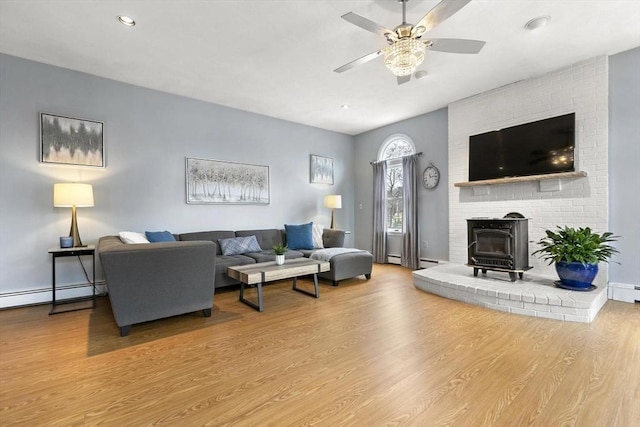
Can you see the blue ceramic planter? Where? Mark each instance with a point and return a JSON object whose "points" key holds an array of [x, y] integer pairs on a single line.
{"points": [[576, 274]]}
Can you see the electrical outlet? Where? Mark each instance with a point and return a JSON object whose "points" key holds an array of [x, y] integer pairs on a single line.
{"points": [[425, 244]]}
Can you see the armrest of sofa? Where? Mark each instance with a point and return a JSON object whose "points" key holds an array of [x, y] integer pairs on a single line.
{"points": [[332, 238], [154, 280]]}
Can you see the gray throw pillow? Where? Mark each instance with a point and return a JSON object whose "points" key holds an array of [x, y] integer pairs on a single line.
{"points": [[239, 245]]}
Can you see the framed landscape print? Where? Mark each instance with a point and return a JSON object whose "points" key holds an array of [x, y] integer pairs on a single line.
{"points": [[219, 182], [321, 170], [71, 141]]}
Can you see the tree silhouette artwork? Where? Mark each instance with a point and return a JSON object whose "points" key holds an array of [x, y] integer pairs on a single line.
{"points": [[213, 181]]}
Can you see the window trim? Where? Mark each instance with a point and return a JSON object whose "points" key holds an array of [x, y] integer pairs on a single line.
{"points": [[395, 162], [392, 138]]}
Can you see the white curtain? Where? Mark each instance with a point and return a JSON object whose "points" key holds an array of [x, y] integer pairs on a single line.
{"points": [[380, 212], [410, 255]]}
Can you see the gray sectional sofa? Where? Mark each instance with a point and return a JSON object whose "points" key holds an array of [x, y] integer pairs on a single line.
{"points": [[149, 281], [267, 239], [155, 280]]}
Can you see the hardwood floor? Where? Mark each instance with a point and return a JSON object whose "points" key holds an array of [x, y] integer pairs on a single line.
{"points": [[367, 353]]}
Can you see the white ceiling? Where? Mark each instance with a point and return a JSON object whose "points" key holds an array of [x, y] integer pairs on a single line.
{"points": [[276, 57]]}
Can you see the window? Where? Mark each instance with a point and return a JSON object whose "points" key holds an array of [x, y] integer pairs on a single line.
{"points": [[392, 150]]}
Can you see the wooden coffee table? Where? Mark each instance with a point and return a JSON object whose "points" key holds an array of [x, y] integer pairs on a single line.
{"points": [[257, 274]]}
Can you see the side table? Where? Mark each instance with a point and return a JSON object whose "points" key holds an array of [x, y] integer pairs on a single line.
{"points": [[56, 253]]}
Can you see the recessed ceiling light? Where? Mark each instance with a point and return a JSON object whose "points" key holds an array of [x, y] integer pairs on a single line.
{"points": [[126, 20], [536, 23], [345, 106]]}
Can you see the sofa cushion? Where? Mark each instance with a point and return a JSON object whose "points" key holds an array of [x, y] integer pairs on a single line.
{"points": [[333, 238], [299, 236], [224, 261], [130, 237], [239, 245], [307, 252], [266, 238], [159, 236], [212, 236]]}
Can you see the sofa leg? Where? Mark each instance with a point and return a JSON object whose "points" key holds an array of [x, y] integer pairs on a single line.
{"points": [[124, 330], [335, 282], [368, 276], [206, 312]]}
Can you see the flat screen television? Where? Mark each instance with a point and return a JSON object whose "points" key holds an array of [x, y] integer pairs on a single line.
{"points": [[536, 148]]}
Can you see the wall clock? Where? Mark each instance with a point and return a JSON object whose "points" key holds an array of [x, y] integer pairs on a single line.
{"points": [[430, 177]]}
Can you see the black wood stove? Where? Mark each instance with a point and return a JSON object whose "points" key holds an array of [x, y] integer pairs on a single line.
{"points": [[499, 244]]}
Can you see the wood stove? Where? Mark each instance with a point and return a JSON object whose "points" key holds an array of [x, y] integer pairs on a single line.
{"points": [[500, 244]]}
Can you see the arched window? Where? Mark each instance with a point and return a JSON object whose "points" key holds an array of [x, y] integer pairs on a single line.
{"points": [[396, 147], [392, 150]]}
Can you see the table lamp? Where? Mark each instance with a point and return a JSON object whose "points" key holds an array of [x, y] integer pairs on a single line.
{"points": [[73, 195], [333, 201]]}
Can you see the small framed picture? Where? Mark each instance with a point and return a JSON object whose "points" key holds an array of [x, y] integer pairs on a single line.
{"points": [[321, 170], [71, 141]]}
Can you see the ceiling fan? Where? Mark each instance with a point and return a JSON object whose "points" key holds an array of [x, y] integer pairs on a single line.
{"points": [[406, 43]]}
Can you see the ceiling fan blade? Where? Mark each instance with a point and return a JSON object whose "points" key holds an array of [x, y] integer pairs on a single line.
{"points": [[455, 45], [403, 79], [438, 14], [366, 24], [366, 58]]}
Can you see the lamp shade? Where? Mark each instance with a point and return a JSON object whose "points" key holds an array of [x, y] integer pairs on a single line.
{"points": [[333, 201], [69, 194]]}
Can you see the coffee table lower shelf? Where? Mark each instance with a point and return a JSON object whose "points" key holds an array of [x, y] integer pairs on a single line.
{"points": [[257, 274]]}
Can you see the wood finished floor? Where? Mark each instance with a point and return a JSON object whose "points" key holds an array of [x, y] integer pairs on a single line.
{"points": [[367, 353]]}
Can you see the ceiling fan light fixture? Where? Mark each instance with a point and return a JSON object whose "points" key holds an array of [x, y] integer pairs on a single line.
{"points": [[404, 56]]}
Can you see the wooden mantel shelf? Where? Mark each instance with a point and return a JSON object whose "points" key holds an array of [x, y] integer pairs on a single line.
{"points": [[509, 180]]}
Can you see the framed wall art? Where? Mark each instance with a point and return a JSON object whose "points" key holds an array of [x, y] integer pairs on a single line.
{"points": [[71, 141], [321, 170], [220, 182]]}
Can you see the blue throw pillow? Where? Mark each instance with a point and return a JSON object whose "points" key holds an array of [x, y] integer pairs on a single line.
{"points": [[300, 236], [159, 236], [239, 245]]}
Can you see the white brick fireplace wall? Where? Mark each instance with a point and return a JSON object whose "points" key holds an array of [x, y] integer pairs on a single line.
{"points": [[581, 88]]}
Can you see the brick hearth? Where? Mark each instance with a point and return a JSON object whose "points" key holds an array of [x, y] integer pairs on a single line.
{"points": [[531, 296]]}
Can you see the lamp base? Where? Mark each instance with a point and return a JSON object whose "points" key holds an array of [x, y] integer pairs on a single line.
{"points": [[77, 242], [333, 226]]}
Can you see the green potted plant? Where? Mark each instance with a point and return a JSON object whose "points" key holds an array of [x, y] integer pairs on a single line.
{"points": [[280, 250], [576, 253]]}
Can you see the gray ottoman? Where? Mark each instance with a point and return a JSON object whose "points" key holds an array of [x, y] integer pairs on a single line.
{"points": [[346, 266]]}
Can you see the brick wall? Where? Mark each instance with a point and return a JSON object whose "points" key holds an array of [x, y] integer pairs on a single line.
{"points": [[581, 88]]}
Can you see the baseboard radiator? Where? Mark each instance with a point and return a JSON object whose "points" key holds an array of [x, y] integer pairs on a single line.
{"points": [[424, 262], [43, 295]]}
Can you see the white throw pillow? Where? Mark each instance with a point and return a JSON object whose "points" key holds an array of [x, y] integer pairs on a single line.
{"points": [[132, 237], [317, 236]]}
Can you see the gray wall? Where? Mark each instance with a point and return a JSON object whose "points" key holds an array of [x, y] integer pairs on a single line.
{"points": [[429, 134], [149, 133], [624, 163], [147, 136]]}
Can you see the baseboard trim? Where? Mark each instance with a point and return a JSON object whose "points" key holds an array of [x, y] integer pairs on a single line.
{"points": [[43, 295], [625, 292]]}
